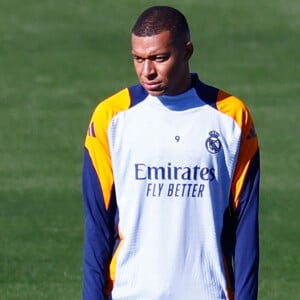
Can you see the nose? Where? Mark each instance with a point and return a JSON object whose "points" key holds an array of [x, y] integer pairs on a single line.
{"points": [[148, 69]]}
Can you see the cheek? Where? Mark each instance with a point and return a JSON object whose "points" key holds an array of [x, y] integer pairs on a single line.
{"points": [[137, 69], [170, 71]]}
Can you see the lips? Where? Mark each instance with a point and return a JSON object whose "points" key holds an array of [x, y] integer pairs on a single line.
{"points": [[152, 86]]}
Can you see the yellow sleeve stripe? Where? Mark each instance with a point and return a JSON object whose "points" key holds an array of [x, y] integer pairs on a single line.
{"points": [[96, 141], [232, 106]]}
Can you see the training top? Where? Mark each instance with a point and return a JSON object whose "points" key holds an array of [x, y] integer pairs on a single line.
{"points": [[170, 188]]}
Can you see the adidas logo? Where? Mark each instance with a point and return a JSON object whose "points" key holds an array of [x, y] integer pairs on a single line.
{"points": [[91, 130], [251, 134]]}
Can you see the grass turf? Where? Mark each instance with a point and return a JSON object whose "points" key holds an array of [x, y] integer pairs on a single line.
{"points": [[58, 58]]}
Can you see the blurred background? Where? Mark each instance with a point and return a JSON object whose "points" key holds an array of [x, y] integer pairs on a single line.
{"points": [[58, 59]]}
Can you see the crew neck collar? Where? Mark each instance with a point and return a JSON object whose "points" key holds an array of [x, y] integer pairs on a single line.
{"points": [[183, 101]]}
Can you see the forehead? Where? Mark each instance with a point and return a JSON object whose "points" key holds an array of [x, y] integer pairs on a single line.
{"points": [[149, 45]]}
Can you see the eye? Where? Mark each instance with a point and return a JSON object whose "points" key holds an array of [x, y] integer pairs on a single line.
{"points": [[160, 58], [138, 59]]}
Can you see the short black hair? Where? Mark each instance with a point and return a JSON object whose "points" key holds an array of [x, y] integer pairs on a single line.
{"points": [[157, 19]]}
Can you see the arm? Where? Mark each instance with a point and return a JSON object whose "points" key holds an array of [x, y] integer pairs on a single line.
{"points": [[99, 233], [102, 237], [100, 213], [246, 190]]}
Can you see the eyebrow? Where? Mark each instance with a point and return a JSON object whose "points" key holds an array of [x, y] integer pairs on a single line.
{"points": [[151, 55]]}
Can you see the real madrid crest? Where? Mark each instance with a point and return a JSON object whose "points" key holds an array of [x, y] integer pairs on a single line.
{"points": [[213, 144]]}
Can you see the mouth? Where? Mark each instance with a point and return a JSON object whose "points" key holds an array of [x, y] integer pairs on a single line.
{"points": [[152, 86]]}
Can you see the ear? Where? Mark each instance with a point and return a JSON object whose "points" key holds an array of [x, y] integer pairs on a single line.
{"points": [[189, 49]]}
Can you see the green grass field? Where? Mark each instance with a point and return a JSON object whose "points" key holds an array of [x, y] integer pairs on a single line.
{"points": [[59, 58]]}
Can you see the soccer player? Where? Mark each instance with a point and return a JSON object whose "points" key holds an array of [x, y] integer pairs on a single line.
{"points": [[170, 180]]}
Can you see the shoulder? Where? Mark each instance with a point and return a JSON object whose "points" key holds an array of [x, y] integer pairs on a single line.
{"points": [[108, 108], [121, 100], [105, 111], [233, 107], [113, 104], [224, 102], [229, 105]]}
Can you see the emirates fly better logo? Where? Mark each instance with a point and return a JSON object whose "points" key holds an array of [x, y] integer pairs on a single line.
{"points": [[173, 180], [184, 181]]}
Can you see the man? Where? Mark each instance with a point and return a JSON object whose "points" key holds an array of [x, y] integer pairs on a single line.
{"points": [[170, 180]]}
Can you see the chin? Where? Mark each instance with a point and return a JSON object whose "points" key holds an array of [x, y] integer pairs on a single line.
{"points": [[156, 93]]}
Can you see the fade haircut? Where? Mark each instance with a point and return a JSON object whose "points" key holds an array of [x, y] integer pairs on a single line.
{"points": [[157, 19]]}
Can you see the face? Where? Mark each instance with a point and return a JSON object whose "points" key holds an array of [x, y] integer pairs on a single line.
{"points": [[161, 64]]}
